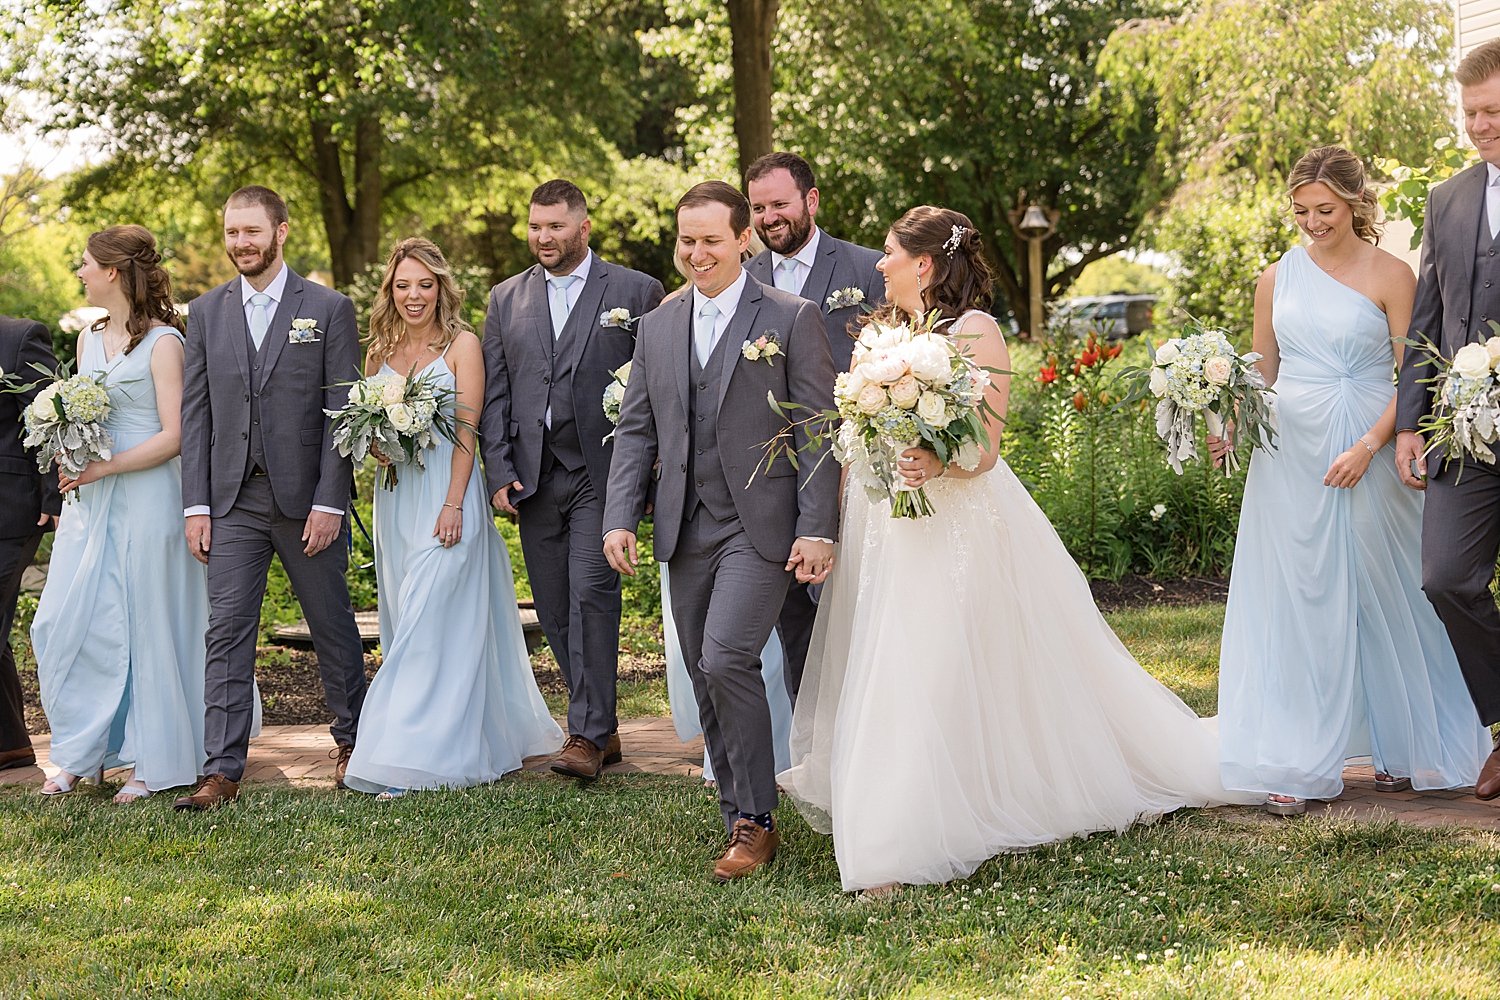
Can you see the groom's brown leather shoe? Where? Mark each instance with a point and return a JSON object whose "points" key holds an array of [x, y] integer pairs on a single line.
{"points": [[750, 846], [612, 753], [23, 757], [579, 759], [214, 790], [340, 755], [1488, 785]]}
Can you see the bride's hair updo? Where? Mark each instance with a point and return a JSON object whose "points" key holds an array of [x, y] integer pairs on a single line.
{"points": [[388, 324], [131, 251], [960, 277], [1342, 173]]}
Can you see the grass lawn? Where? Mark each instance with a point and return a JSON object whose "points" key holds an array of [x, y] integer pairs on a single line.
{"points": [[539, 887]]}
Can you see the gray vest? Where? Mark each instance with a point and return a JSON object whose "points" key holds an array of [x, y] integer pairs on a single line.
{"points": [[1484, 297], [560, 442], [257, 453], [706, 482]]}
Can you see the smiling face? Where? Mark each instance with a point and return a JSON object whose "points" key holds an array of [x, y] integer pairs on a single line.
{"points": [[709, 247], [415, 291], [1481, 104], [101, 285], [1323, 216], [903, 272], [254, 245], [558, 239], [782, 217]]}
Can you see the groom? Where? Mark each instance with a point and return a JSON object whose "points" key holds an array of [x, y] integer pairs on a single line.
{"points": [[1458, 295], [695, 418], [260, 477]]}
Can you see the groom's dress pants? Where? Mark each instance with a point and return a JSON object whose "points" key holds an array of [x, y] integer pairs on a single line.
{"points": [[726, 598], [15, 556], [241, 545], [1460, 538]]}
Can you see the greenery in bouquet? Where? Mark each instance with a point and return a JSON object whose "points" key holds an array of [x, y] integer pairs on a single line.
{"points": [[65, 420], [1465, 415], [614, 396], [1201, 373], [400, 417]]}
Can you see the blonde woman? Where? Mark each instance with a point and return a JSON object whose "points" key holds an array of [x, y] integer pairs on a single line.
{"points": [[455, 702], [1330, 648]]}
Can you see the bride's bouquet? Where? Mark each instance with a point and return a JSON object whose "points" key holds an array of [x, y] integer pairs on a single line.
{"points": [[910, 387], [1465, 417], [401, 416], [1201, 373], [614, 396], [65, 420]]}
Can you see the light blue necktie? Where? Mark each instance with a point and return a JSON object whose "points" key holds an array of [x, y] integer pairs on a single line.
{"points": [[259, 318], [703, 336], [557, 301], [786, 275]]}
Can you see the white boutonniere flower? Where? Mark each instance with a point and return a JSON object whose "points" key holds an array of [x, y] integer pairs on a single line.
{"points": [[303, 331], [844, 298], [762, 348], [617, 319]]}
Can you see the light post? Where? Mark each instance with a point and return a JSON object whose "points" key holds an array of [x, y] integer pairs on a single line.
{"points": [[1035, 225]]}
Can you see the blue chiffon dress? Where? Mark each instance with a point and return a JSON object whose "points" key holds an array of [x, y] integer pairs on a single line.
{"points": [[455, 702], [1330, 649]]}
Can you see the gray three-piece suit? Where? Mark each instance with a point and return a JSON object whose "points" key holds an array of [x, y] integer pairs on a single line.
{"points": [[257, 451], [1458, 294], [532, 375], [702, 429]]}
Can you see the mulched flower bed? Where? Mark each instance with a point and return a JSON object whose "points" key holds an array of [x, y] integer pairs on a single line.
{"points": [[292, 692]]}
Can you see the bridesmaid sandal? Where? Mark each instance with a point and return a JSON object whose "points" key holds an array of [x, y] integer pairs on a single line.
{"points": [[1292, 807], [131, 793], [390, 794], [1391, 783], [62, 787]]}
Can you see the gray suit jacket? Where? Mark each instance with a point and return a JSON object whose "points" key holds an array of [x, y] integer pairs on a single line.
{"points": [[518, 346], [295, 388], [840, 265], [778, 505], [1444, 288]]}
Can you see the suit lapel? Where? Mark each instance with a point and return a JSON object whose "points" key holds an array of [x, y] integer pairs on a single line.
{"points": [[682, 355], [583, 320], [232, 325], [820, 278], [759, 267], [537, 310], [281, 324], [738, 333]]}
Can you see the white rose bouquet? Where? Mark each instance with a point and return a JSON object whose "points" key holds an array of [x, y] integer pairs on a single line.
{"points": [[614, 396], [65, 420], [1465, 416], [1201, 373], [401, 416]]}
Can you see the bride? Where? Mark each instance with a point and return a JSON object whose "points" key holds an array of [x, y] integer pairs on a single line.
{"points": [[962, 695]]}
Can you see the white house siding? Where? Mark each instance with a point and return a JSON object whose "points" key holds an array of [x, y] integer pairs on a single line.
{"points": [[1478, 21]]}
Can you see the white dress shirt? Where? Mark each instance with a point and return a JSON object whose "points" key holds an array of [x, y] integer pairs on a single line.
{"points": [[276, 289], [805, 258], [726, 302], [575, 289], [1492, 197]]}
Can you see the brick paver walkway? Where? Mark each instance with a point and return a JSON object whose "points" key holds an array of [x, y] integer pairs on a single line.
{"points": [[300, 754]]}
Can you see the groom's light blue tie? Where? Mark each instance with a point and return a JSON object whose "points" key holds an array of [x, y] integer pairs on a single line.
{"points": [[557, 295], [259, 318], [786, 275], [703, 334]]}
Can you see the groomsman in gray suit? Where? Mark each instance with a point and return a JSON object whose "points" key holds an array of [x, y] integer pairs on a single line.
{"points": [[695, 418], [804, 260], [1458, 296], [553, 336], [260, 477]]}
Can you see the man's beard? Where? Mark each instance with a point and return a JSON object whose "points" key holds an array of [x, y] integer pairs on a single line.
{"points": [[793, 238], [264, 262], [571, 254]]}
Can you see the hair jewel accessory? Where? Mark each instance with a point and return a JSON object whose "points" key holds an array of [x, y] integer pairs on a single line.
{"points": [[956, 240]]}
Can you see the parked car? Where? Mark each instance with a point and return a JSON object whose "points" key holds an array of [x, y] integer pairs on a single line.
{"points": [[1112, 316]]}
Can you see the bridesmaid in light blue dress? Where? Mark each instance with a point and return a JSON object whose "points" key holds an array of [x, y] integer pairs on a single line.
{"points": [[455, 702], [118, 634], [1330, 649]]}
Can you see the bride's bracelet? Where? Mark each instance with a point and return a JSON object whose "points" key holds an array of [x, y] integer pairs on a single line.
{"points": [[1367, 447], [455, 506]]}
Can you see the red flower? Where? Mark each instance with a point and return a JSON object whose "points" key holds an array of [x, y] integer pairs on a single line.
{"points": [[1048, 374], [1080, 401], [1089, 357], [1113, 352]]}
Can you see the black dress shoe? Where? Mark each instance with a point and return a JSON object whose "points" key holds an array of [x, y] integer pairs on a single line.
{"points": [[23, 757]]}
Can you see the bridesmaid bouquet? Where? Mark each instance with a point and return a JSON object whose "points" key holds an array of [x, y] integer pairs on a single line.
{"points": [[1200, 373], [65, 421], [614, 396], [1466, 413], [400, 416]]}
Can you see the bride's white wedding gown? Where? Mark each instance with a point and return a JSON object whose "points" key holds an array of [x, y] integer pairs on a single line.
{"points": [[964, 697]]}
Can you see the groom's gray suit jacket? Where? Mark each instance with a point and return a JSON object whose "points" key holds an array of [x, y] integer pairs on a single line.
{"points": [[840, 265], [778, 505], [279, 396]]}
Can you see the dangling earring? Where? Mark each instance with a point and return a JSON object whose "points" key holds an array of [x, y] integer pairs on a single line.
{"points": [[919, 284]]}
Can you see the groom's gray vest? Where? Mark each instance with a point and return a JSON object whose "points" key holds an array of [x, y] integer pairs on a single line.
{"points": [[706, 482]]}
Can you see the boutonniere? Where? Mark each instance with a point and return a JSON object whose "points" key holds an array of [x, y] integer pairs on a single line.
{"points": [[303, 331], [617, 319], [763, 348], [844, 298]]}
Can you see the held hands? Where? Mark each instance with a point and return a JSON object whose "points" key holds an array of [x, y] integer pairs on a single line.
{"points": [[811, 559], [501, 499], [619, 549], [450, 526], [917, 466], [1350, 467], [1409, 448]]}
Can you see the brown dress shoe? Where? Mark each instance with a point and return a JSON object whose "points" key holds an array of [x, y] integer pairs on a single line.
{"points": [[340, 756], [24, 757], [1488, 785], [750, 846], [612, 754], [579, 759], [213, 791]]}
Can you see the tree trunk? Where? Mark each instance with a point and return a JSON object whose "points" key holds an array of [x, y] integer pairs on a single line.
{"points": [[752, 24], [353, 229]]}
